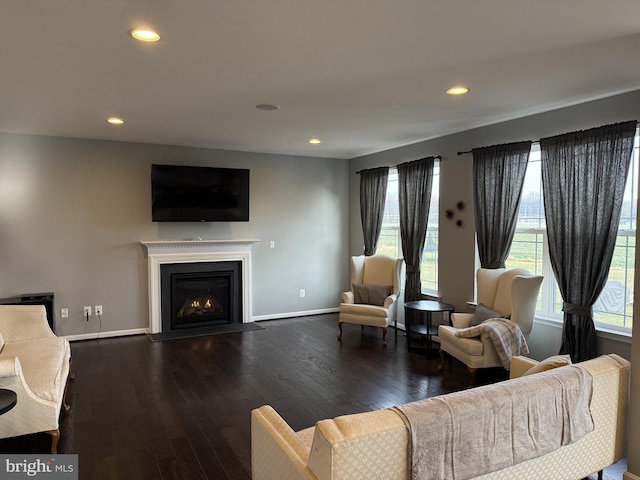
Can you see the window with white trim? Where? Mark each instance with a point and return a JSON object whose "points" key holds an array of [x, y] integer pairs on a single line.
{"points": [[390, 243], [614, 309]]}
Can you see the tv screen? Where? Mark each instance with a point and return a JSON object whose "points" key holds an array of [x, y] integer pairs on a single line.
{"points": [[199, 194]]}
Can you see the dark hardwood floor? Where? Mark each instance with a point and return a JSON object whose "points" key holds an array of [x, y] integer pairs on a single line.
{"points": [[180, 409]]}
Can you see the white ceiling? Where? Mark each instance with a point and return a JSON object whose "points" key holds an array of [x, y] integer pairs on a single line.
{"points": [[362, 75]]}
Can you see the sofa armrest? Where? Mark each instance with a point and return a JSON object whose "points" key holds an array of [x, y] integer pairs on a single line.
{"points": [[10, 367], [520, 364], [276, 450], [12, 378], [23, 322], [461, 320]]}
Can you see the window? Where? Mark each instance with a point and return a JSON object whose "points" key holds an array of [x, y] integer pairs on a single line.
{"points": [[390, 243], [614, 309]]}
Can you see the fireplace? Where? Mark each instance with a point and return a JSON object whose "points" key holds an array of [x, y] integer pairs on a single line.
{"points": [[203, 294], [191, 254]]}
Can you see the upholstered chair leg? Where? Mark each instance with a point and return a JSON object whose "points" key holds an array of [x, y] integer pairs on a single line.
{"points": [[55, 436], [442, 359], [340, 328], [472, 376], [65, 405], [72, 376], [384, 336]]}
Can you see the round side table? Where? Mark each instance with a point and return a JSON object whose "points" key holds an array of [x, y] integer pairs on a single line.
{"points": [[8, 400], [425, 308]]}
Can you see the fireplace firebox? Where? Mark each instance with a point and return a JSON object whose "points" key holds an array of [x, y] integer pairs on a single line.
{"points": [[202, 294]]}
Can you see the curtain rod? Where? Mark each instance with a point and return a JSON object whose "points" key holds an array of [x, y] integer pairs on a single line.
{"points": [[469, 151], [436, 157], [535, 141]]}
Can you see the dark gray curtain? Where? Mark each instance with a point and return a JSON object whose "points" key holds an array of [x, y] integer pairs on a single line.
{"points": [[414, 190], [583, 181], [498, 174], [373, 194]]}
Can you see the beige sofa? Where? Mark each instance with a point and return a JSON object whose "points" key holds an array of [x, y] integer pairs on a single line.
{"points": [[376, 444], [35, 364]]}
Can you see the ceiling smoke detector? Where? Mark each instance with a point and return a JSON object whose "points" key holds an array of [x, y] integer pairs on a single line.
{"points": [[267, 107]]}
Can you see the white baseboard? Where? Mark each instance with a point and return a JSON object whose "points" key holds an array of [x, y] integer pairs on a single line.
{"points": [[108, 334], [629, 476], [276, 316], [142, 331]]}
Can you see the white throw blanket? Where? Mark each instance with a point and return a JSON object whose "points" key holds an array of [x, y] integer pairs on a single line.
{"points": [[505, 334], [467, 434]]}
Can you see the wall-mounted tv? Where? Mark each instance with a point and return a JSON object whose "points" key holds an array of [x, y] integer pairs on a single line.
{"points": [[199, 194]]}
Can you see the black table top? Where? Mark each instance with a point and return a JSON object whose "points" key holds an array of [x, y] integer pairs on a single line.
{"points": [[8, 399], [429, 306]]}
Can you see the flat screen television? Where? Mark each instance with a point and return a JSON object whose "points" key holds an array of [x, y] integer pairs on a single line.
{"points": [[199, 194]]}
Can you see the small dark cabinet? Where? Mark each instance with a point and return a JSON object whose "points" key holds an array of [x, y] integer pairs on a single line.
{"points": [[45, 299]]}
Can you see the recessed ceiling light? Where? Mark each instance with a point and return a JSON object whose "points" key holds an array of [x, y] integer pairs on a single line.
{"points": [[458, 90], [115, 121], [267, 107], [315, 141], [144, 34]]}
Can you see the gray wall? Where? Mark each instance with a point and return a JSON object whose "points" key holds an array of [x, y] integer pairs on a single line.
{"points": [[72, 214], [457, 244]]}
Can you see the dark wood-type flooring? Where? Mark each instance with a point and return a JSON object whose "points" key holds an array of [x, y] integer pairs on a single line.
{"points": [[180, 409]]}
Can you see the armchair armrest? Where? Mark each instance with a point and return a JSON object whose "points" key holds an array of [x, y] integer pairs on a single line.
{"points": [[389, 300], [347, 297]]}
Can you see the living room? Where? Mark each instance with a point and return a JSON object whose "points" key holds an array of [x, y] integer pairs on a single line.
{"points": [[89, 207], [75, 211]]}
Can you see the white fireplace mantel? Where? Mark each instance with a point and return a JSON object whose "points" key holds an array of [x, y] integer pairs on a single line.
{"points": [[161, 252]]}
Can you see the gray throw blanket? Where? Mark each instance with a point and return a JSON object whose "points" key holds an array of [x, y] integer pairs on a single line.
{"points": [[467, 434], [505, 334]]}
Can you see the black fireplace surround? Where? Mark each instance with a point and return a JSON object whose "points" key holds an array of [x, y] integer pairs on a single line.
{"points": [[200, 295]]}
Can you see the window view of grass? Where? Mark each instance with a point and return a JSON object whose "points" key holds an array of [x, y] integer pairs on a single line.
{"points": [[390, 243], [614, 308]]}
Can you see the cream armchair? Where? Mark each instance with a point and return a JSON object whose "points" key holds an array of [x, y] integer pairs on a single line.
{"points": [[509, 293], [373, 298], [34, 363]]}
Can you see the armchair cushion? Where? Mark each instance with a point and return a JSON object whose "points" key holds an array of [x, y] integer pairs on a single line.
{"points": [[483, 313], [470, 346], [371, 294], [356, 309]]}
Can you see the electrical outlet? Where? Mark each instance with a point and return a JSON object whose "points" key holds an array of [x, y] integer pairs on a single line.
{"points": [[272, 244], [86, 311], [98, 309], [302, 292], [64, 313]]}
